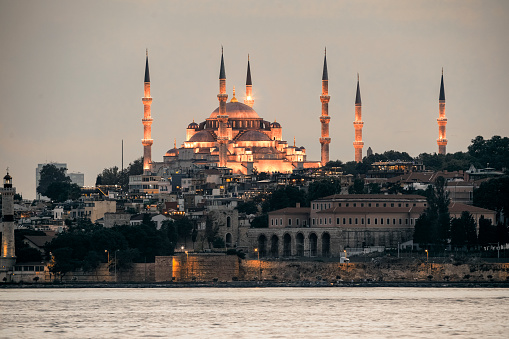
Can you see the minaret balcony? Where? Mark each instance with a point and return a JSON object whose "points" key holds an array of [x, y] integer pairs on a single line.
{"points": [[325, 119], [358, 144], [325, 140], [324, 98], [146, 100], [444, 119], [222, 97], [358, 123]]}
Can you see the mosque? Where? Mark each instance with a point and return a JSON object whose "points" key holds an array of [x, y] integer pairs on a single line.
{"points": [[234, 136]]}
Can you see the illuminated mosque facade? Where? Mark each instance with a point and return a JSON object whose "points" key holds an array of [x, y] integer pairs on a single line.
{"points": [[234, 136]]}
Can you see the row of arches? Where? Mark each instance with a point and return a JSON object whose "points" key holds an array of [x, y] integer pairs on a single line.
{"points": [[299, 246]]}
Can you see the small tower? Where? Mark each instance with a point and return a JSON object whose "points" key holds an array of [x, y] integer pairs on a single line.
{"points": [[324, 118], [8, 255], [147, 122], [358, 124], [442, 120], [249, 86], [222, 117]]}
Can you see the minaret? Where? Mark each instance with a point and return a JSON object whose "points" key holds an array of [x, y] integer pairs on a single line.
{"points": [[222, 117], [358, 124], [442, 120], [249, 86], [324, 118], [147, 123], [8, 256]]}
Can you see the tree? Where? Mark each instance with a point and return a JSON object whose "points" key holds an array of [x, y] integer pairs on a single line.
{"points": [[464, 231], [435, 224], [494, 195], [357, 187], [112, 175], [323, 188], [487, 232], [62, 191], [247, 207], [51, 174]]}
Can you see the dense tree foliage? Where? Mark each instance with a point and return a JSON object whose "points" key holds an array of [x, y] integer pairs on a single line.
{"points": [[494, 195], [323, 188], [490, 153], [433, 226], [114, 176], [247, 207], [85, 245], [464, 231], [388, 156], [55, 185]]}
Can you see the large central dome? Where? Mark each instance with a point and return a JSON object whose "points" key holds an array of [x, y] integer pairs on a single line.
{"points": [[237, 110]]}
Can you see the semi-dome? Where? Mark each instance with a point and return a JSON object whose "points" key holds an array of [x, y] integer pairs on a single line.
{"points": [[253, 136], [237, 110], [202, 136]]}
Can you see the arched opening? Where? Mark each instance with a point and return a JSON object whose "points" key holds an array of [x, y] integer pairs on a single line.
{"points": [[262, 245], [313, 245], [228, 240], [287, 245], [274, 246], [228, 222], [300, 244], [326, 245]]}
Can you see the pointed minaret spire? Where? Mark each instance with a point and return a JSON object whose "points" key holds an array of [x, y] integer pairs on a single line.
{"points": [[175, 141], [324, 118], [442, 91], [358, 95], [442, 120], [249, 86], [358, 144], [222, 73], [325, 75], [147, 74]]}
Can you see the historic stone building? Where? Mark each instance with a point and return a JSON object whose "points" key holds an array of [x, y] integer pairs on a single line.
{"points": [[346, 222]]}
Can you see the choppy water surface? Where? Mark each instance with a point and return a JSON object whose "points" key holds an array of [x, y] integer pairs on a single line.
{"points": [[257, 312]]}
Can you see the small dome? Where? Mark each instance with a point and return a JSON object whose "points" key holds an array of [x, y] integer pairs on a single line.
{"points": [[7, 177], [253, 136], [172, 152], [202, 136], [275, 124], [192, 125], [237, 110]]}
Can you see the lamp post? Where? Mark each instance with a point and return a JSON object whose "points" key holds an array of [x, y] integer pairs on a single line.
{"points": [[187, 264], [345, 254], [108, 253], [116, 265], [427, 255], [259, 265]]}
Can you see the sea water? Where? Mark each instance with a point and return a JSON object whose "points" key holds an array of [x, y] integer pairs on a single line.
{"points": [[338, 312]]}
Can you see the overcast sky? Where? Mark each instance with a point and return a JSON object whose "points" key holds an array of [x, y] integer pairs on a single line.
{"points": [[71, 74]]}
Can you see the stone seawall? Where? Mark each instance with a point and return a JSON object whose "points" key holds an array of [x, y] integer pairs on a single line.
{"points": [[389, 271], [227, 268]]}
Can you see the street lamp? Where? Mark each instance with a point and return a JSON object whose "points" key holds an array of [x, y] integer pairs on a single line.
{"points": [[427, 254], [345, 253], [108, 253], [259, 265], [116, 265]]}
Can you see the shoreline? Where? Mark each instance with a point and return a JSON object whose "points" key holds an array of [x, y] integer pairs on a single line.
{"points": [[263, 284]]}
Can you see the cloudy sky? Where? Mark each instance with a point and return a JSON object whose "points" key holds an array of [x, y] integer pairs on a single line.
{"points": [[71, 74]]}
